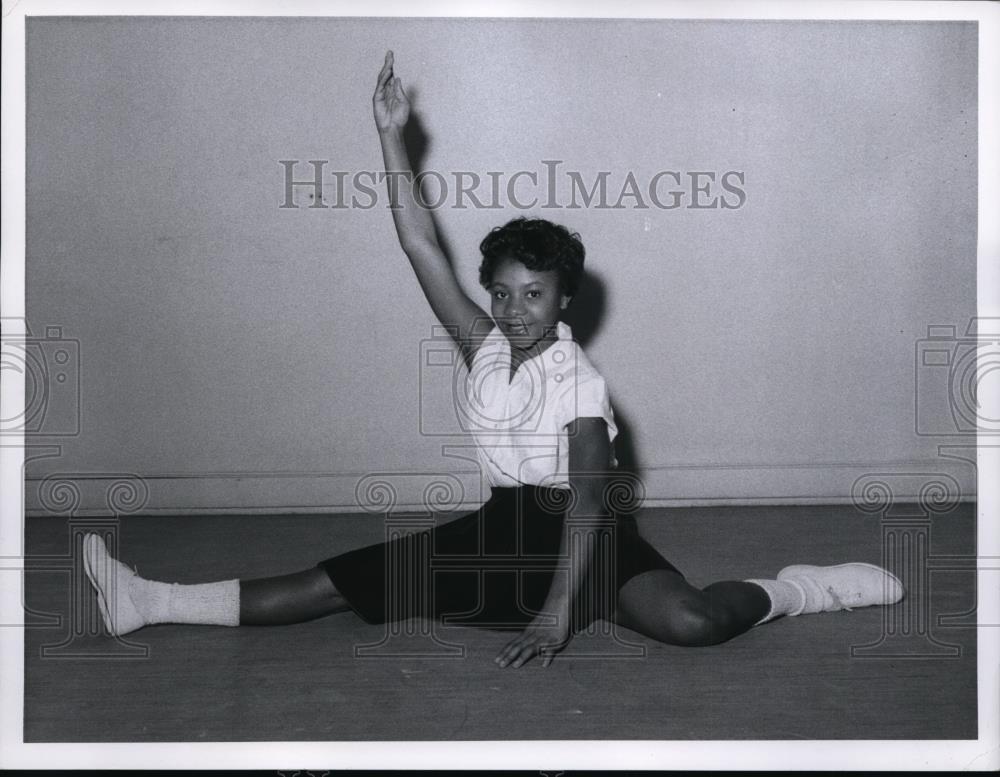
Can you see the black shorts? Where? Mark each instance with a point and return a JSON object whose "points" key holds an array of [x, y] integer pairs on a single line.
{"points": [[491, 568]]}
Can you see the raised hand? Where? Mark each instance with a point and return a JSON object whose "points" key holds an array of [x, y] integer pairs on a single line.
{"points": [[391, 106], [541, 637]]}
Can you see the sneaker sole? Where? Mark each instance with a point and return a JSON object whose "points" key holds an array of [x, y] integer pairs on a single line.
{"points": [[89, 550]]}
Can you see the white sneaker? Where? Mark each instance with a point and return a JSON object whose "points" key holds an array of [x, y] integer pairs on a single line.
{"points": [[842, 587], [111, 579]]}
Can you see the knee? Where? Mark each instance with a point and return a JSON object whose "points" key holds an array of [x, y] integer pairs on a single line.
{"points": [[693, 623]]}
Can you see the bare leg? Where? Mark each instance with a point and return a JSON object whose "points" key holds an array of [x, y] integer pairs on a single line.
{"points": [[277, 601], [664, 606], [128, 602]]}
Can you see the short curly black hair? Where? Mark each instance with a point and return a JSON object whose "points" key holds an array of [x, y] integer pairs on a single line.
{"points": [[539, 245]]}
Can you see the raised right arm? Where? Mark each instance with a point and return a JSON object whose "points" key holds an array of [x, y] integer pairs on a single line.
{"points": [[415, 226]]}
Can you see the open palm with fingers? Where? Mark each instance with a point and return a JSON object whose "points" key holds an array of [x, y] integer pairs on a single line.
{"points": [[392, 108], [542, 637]]}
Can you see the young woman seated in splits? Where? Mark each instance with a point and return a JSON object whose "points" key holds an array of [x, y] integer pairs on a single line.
{"points": [[544, 430]]}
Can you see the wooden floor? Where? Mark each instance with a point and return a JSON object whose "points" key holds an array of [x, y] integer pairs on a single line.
{"points": [[795, 678]]}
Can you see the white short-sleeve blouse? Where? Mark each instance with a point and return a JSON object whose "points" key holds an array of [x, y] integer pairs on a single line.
{"points": [[519, 425]]}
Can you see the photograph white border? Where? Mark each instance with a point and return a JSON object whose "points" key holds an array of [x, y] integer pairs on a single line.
{"points": [[981, 754]]}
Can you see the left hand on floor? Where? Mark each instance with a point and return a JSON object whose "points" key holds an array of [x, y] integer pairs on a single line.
{"points": [[541, 637]]}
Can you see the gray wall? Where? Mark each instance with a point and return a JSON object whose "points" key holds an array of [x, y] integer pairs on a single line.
{"points": [[239, 355]]}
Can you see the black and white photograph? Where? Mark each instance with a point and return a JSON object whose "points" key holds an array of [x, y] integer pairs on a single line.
{"points": [[588, 386]]}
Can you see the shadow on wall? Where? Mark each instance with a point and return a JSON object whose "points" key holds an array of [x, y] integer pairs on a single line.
{"points": [[585, 317], [586, 313]]}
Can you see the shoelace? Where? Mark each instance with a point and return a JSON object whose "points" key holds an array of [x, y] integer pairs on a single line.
{"points": [[837, 600]]}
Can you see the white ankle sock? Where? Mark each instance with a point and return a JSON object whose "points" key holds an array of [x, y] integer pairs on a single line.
{"points": [[206, 603], [787, 598]]}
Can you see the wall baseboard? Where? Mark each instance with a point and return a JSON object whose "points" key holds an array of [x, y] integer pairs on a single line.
{"points": [[937, 482]]}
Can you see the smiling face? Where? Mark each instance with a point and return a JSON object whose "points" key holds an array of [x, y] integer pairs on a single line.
{"points": [[525, 304]]}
